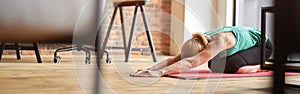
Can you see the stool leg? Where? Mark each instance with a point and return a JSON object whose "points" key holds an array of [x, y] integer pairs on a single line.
{"points": [[18, 51], [102, 49], [149, 36], [37, 53], [128, 49], [2, 47], [123, 29]]}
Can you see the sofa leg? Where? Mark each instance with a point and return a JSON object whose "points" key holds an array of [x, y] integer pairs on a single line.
{"points": [[2, 46], [37, 53], [18, 51]]}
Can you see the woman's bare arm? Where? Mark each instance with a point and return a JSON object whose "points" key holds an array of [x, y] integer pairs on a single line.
{"points": [[165, 63]]}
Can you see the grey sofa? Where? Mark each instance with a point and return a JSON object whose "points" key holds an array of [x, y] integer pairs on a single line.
{"points": [[50, 21]]}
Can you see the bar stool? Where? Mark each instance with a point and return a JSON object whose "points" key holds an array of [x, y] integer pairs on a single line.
{"points": [[119, 4]]}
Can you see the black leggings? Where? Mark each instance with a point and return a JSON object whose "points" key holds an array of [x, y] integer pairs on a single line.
{"points": [[250, 56]]}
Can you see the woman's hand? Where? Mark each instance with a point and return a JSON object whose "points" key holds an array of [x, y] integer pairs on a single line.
{"points": [[147, 73], [156, 70]]}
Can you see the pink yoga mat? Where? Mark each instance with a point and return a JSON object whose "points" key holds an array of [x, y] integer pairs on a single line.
{"points": [[202, 74]]}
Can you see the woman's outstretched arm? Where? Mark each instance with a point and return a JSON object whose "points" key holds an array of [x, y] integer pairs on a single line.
{"points": [[154, 70], [165, 63]]}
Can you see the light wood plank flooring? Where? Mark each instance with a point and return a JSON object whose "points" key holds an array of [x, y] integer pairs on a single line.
{"points": [[72, 76]]}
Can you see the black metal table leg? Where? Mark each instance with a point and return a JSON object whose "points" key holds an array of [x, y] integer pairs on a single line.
{"points": [[128, 50], [149, 36], [123, 29]]}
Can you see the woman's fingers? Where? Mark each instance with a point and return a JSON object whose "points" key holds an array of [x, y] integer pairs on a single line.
{"points": [[146, 73]]}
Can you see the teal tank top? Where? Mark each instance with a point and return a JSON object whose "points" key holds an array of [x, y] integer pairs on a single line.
{"points": [[246, 37]]}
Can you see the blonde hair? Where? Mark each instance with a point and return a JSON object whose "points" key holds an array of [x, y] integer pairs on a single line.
{"points": [[194, 45]]}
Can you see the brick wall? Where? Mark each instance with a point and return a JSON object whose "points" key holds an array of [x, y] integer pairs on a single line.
{"points": [[158, 13]]}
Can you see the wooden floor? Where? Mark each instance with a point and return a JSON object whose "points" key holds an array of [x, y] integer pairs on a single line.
{"points": [[72, 76]]}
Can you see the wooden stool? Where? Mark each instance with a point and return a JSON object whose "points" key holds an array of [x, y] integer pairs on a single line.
{"points": [[119, 4]]}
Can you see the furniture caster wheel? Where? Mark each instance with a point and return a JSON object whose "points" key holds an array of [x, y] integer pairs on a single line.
{"points": [[57, 59], [108, 60], [87, 62]]}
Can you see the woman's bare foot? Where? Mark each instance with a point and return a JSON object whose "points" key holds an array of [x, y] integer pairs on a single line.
{"points": [[250, 69], [146, 73]]}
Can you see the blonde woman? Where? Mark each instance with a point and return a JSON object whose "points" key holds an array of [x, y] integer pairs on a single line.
{"points": [[238, 47]]}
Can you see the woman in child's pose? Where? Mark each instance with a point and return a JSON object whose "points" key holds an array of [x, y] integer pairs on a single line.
{"points": [[238, 47]]}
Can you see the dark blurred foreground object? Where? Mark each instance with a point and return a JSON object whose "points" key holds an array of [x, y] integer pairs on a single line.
{"points": [[286, 38]]}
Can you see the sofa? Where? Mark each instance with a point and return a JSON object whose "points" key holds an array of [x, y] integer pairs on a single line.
{"points": [[50, 21]]}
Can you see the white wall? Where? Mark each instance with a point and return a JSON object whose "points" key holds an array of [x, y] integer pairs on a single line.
{"points": [[203, 15], [199, 16], [247, 13]]}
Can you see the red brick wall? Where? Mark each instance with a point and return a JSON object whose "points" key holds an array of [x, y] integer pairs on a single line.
{"points": [[158, 13]]}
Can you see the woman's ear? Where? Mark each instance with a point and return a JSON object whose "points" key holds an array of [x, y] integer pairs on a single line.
{"points": [[202, 39]]}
